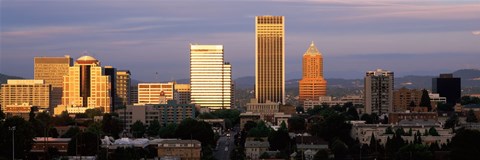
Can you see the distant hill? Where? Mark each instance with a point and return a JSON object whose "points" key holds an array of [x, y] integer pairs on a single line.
{"points": [[4, 78], [470, 78]]}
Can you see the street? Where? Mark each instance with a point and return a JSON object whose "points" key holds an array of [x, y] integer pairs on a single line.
{"points": [[224, 146]]}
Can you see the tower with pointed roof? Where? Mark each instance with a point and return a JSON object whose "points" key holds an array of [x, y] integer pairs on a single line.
{"points": [[312, 85]]}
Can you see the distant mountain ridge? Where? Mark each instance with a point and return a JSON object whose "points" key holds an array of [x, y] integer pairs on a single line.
{"points": [[470, 78], [4, 78]]}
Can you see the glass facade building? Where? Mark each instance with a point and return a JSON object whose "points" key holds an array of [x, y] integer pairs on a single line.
{"points": [[270, 59], [210, 77]]}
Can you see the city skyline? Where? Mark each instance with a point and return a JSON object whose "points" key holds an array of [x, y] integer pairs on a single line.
{"points": [[357, 36]]}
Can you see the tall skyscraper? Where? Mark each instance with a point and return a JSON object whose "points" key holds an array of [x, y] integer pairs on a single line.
{"points": [[378, 92], [270, 59], [312, 85], [123, 87], [210, 77], [86, 86], [52, 70], [448, 86]]}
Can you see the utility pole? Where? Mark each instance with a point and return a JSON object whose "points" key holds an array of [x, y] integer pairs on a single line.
{"points": [[13, 141]]}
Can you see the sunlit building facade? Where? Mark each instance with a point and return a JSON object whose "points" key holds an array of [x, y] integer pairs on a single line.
{"points": [[378, 92], [182, 93], [52, 70], [270, 59], [25, 92], [150, 93], [86, 87], [312, 85], [210, 77]]}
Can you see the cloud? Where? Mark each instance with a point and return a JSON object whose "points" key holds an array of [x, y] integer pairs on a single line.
{"points": [[44, 31], [477, 33]]}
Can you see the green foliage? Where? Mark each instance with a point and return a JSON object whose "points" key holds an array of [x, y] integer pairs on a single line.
{"points": [[249, 125], [71, 132], [264, 155], [464, 145], [138, 129], [333, 126], [93, 112], [370, 119], [193, 129], [414, 151], [425, 101], [95, 128], [168, 131], [24, 135], [452, 121], [469, 100], [321, 155], [279, 140], [2, 115], [261, 130], [296, 124], [352, 113], [471, 117], [400, 131], [389, 130], [432, 131], [111, 125], [53, 132], [339, 148], [127, 153], [63, 119], [153, 128]]}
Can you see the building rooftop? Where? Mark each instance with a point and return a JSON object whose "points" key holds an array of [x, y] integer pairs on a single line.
{"points": [[312, 50], [256, 144]]}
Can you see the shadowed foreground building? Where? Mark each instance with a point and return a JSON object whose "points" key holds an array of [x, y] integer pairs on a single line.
{"points": [[270, 59], [313, 85], [180, 149], [123, 87]]}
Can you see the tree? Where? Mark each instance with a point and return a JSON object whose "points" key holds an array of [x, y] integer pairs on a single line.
{"points": [[471, 117], [432, 131], [414, 151], [464, 145], [425, 101], [321, 155], [279, 139], [193, 129], [111, 125], [168, 131], [63, 119], [53, 132], [412, 105], [24, 135], [339, 148], [138, 129], [82, 144], [352, 113], [249, 125], [153, 128], [296, 124], [451, 122], [71, 132], [264, 155], [389, 130], [299, 109], [261, 130], [93, 112], [2, 114]]}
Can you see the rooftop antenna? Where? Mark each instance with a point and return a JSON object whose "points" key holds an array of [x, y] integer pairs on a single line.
{"points": [[156, 77]]}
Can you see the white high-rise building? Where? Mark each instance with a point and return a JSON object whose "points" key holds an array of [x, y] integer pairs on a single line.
{"points": [[379, 92], [210, 77]]}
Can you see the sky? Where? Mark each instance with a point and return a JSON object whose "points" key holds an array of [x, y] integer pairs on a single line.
{"points": [[407, 37]]}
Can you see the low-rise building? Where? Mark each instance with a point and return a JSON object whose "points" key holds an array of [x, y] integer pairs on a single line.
{"points": [[172, 112], [398, 117], [42, 144], [355, 99], [363, 132], [328, 100], [310, 145], [266, 109], [253, 149], [183, 149]]}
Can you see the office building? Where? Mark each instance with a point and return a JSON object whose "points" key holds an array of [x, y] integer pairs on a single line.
{"points": [[448, 86], [150, 93], [312, 85], [378, 91], [20, 94], [182, 93], [133, 94], [171, 112], [111, 72], [403, 98], [270, 59], [52, 70], [85, 87], [123, 87], [210, 77]]}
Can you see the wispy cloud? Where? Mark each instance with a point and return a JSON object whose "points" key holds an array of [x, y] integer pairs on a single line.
{"points": [[477, 33], [44, 31]]}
